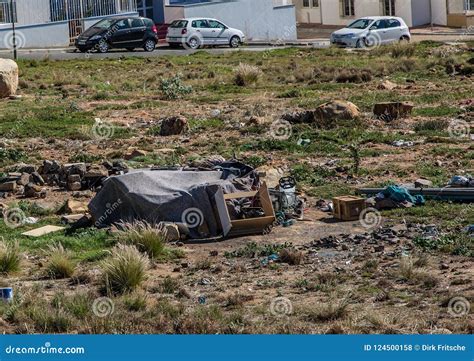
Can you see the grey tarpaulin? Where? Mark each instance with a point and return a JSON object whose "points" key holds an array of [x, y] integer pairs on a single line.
{"points": [[164, 195]]}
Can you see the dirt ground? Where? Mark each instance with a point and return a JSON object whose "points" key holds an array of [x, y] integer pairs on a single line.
{"points": [[317, 276]]}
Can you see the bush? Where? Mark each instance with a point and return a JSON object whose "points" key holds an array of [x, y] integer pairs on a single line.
{"points": [[59, 263], [403, 50], [246, 74], [9, 257], [173, 88], [145, 237], [125, 269]]}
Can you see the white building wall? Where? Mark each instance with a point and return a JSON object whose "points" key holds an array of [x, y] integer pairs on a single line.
{"points": [[439, 12], [258, 19], [421, 12], [403, 9]]}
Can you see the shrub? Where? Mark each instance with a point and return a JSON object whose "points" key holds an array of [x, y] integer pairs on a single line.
{"points": [[173, 88], [403, 50], [9, 257], [246, 74], [125, 269], [59, 263], [146, 238]]}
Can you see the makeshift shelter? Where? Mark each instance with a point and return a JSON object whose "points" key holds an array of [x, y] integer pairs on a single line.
{"points": [[183, 196]]}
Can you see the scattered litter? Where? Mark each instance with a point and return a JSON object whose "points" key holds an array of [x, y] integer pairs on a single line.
{"points": [[30, 220], [205, 281], [6, 294], [403, 143], [267, 260], [71, 218], [462, 181], [303, 142], [202, 300], [42, 231]]}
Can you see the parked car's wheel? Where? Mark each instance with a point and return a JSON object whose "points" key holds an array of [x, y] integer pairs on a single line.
{"points": [[235, 42], [149, 45], [130, 49], [194, 43], [404, 40], [103, 47]]}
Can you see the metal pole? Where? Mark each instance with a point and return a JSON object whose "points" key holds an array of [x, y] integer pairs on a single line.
{"points": [[15, 55]]}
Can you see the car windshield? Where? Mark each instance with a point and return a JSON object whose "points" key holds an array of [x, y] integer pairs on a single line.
{"points": [[179, 24], [360, 24], [104, 24]]}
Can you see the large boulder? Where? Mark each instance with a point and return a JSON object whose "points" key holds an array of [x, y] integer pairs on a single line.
{"points": [[173, 126], [336, 110], [8, 78], [393, 110]]}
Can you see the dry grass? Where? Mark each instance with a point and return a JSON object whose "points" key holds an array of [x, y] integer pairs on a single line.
{"points": [[147, 238], [125, 269], [10, 257], [59, 264], [246, 74]]}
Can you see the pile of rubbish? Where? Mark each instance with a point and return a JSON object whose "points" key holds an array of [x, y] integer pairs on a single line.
{"points": [[31, 181], [395, 197]]}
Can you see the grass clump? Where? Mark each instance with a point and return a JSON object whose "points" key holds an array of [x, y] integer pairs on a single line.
{"points": [[125, 269], [246, 74], [9, 257], [148, 239], [403, 50], [60, 264]]}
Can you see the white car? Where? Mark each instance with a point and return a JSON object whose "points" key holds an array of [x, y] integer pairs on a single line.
{"points": [[372, 31], [197, 32]]}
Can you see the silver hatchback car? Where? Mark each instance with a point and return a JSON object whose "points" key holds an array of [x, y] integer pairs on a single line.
{"points": [[372, 31], [197, 32]]}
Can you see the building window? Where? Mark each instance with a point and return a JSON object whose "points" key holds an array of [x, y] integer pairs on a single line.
{"points": [[388, 7], [145, 8], [312, 3], [347, 8], [6, 12], [79, 9], [470, 5]]}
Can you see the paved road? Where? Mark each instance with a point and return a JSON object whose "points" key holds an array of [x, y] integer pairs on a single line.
{"points": [[64, 54], [162, 50]]}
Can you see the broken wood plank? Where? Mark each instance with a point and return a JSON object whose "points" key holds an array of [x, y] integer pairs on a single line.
{"points": [[42, 231]]}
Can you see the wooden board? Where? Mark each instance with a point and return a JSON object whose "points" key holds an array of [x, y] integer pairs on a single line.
{"points": [[42, 231]]}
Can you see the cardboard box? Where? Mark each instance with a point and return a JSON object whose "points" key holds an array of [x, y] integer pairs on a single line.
{"points": [[348, 208], [239, 227]]}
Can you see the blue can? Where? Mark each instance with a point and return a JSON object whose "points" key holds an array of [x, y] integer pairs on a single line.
{"points": [[6, 294]]}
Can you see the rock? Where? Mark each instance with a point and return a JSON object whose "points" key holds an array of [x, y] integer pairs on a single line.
{"points": [[299, 117], [74, 178], [336, 110], [74, 168], [387, 85], [33, 191], [171, 231], [37, 178], [25, 168], [74, 186], [74, 207], [97, 171], [135, 154], [24, 179], [443, 266], [8, 186], [423, 183], [173, 126], [393, 110], [50, 167], [379, 248], [8, 78]]}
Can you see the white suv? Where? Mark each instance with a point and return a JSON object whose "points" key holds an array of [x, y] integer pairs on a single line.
{"points": [[372, 31], [196, 32]]}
